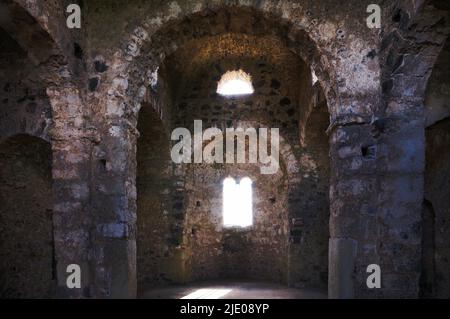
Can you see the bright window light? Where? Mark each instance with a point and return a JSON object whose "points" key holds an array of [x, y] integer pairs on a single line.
{"points": [[235, 83], [314, 78], [237, 203], [207, 294]]}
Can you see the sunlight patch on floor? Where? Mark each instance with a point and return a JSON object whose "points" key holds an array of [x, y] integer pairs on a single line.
{"points": [[207, 294]]}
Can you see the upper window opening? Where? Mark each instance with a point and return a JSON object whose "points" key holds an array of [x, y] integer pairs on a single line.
{"points": [[237, 203], [314, 78], [235, 83], [153, 78]]}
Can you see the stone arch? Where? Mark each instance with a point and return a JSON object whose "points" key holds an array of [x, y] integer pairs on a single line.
{"points": [[143, 47], [27, 32], [40, 27], [28, 268], [25, 105], [437, 95], [42, 102], [408, 57], [352, 93], [167, 39]]}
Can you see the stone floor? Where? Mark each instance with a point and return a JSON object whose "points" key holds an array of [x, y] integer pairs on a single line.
{"points": [[233, 290]]}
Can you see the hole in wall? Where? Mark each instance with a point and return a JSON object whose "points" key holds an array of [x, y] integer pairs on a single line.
{"points": [[77, 51], [368, 152]]}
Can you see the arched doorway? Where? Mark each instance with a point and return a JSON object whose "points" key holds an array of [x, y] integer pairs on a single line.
{"points": [[156, 258], [309, 199], [27, 262], [27, 253]]}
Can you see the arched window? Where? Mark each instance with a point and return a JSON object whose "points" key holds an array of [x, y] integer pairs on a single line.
{"points": [[235, 83], [237, 203], [314, 78]]}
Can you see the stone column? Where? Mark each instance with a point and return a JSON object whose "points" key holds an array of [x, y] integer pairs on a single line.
{"points": [[114, 198], [114, 207], [353, 208], [375, 206], [71, 190]]}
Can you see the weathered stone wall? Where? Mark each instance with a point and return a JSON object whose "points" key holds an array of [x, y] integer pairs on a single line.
{"points": [[217, 252]]}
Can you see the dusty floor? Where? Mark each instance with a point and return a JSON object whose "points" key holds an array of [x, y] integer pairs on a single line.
{"points": [[233, 290]]}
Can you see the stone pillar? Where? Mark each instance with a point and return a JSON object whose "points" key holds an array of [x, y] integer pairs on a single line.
{"points": [[342, 253], [71, 190], [114, 203], [353, 208], [375, 207]]}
